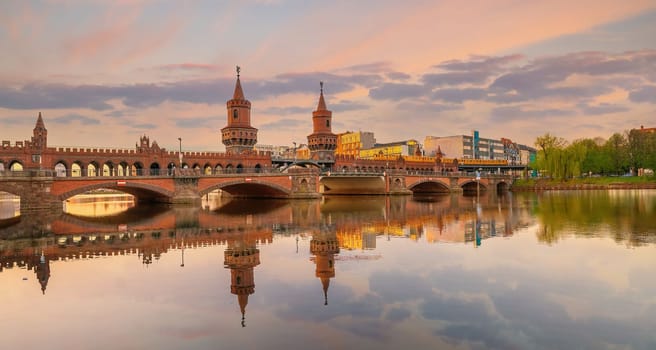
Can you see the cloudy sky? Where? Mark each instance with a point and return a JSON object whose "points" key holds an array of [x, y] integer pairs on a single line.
{"points": [[105, 72]]}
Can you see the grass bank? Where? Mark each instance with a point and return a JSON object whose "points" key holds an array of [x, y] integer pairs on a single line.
{"points": [[611, 182]]}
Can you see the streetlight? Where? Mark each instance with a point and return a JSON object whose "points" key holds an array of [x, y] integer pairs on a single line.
{"points": [[180, 152], [294, 142]]}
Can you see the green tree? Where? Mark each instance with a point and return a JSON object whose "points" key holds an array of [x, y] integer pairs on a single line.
{"points": [[617, 149]]}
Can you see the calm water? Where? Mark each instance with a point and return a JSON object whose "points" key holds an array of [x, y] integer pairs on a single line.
{"points": [[561, 270]]}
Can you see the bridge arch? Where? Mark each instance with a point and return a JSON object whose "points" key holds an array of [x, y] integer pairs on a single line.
{"points": [[430, 186], [502, 186], [472, 186], [108, 168], [137, 168], [61, 169], [154, 168], [141, 191], [249, 189], [92, 169], [15, 165], [76, 169]]}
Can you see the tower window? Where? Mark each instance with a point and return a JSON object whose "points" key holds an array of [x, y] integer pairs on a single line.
{"points": [[327, 123], [235, 114]]}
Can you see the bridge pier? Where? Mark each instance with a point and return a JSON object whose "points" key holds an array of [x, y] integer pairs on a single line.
{"points": [[34, 189], [186, 191]]}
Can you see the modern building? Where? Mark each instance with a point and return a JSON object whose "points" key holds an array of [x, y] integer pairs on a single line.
{"points": [[350, 143], [392, 149], [465, 147]]}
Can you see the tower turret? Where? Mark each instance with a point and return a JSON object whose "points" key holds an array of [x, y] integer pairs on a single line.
{"points": [[239, 136], [40, 134], [322, 142]]}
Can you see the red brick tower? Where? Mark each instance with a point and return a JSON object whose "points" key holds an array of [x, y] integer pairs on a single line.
{"points": [[322, 142], [40, 137], [239, 136]]}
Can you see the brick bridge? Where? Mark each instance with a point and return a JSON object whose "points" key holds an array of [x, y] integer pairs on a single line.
{"points": [[42, 189]]}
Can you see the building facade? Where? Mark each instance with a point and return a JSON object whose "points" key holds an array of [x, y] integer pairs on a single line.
{"points": [[350, 143]]}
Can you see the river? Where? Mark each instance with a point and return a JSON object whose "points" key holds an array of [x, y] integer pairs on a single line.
{"points": [[552, 270]]}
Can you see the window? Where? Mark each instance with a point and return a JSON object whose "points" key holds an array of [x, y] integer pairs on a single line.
{"points": [[235, 114], [327, 123]]}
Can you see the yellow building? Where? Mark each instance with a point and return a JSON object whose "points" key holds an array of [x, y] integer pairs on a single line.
{"points": [[350, 143], [394, 149]]}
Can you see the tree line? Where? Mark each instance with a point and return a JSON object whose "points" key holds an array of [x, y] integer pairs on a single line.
{"points": [[622, 153]]}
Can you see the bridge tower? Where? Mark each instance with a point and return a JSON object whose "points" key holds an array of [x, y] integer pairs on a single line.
{"points": [[239, 136], [322, 142], [324, 245], [241, 257], [40, 135]]}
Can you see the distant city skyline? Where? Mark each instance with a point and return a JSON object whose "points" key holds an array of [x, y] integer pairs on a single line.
{"points": [[103, 73]]}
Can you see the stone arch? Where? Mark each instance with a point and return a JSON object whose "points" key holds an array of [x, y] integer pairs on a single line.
{"points": [[241, 187], [229, 168], [502, 187], [154, 169], [15, 165], [122, 169], [170, 168], [207, 169], [108, 168], [92, 169], [472, 186], [344, 168], [61, 169], [430, 186], [139, 190], [137, 169], [240, 168], [218, 169], [77, 169], [258, 168]]}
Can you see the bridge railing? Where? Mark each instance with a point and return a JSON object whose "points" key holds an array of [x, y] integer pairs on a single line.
{"points": [[26, 173], [459, 174], [174, 172]]}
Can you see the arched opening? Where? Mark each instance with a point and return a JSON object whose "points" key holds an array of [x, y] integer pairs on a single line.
{"points": [[76, 169], [60, 169], [122, 169], [154, 169], [240, 169], [472, 188], [207, 169], [137, 169], [92, 169], [218, 169], [171, 168], [108, 169], [258, 168], [228, 168], [502, 187], [304, 185], [15, 166], [185, 166], [344, 168]]}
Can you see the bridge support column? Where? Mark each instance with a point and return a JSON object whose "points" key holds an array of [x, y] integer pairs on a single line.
{"points": [[305, 185], [186, 191], [455, 188], [396, 185], [35, 192]]}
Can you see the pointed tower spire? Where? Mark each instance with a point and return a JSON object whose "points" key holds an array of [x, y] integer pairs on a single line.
{"points": [[239, 93], [322, 103], [39, 122], [322, 142], [239, 136], [325, 281]]}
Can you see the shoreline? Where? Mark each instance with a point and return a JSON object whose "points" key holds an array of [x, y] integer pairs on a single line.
{"points": [[587, 184]]}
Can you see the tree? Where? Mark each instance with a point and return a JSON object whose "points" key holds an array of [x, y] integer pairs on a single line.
{"points": [[617, 150]]}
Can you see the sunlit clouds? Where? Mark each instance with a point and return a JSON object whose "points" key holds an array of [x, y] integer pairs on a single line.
{"points": [[166, 68]]}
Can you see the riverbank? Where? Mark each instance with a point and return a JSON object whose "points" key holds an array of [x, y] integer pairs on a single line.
{"points": [[592, 183]]}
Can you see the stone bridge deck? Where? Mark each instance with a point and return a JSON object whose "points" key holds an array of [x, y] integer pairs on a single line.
{"points": [[39, 189]]}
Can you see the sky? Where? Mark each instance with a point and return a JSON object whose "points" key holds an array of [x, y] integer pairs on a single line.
{"points": [[103, 73]]}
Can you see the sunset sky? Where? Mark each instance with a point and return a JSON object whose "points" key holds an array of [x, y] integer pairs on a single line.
{"points": [[103, 73]]}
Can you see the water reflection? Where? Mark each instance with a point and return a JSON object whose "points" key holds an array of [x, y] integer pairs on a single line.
{"points": [[376, 272], [105, 203], [9, 206]]}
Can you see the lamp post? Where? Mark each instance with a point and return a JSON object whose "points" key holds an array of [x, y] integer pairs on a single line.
{"points": [[180, 152], [294, 142]]}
